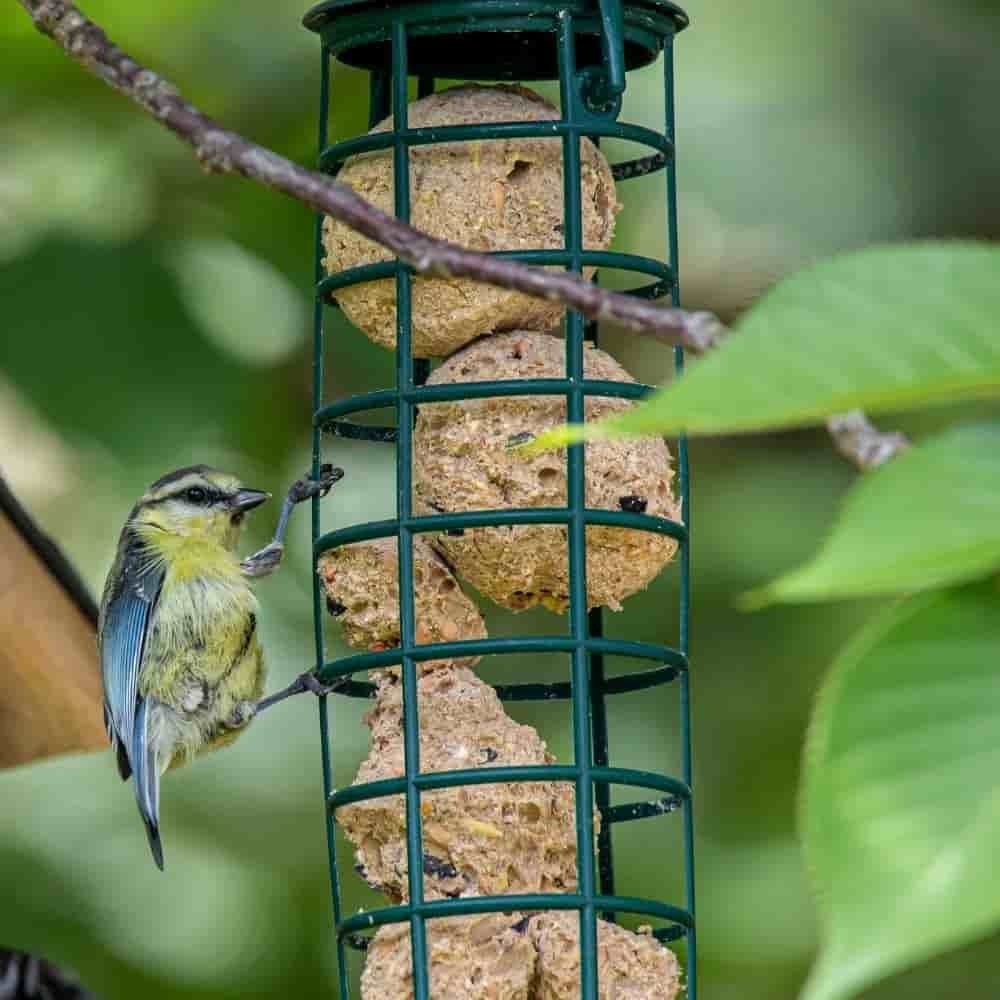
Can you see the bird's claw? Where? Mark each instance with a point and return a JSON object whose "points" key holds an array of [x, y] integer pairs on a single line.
{"points": [[310, 682], [306, 488], [241, 715], [303, 683], [329, 476], [264, 561]]}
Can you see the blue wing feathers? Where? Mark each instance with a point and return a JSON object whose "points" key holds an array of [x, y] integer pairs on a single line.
{"points": [[122, 647], [147, 781], [127, 615]]}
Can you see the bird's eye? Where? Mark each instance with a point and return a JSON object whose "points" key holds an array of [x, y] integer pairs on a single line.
{"points": [[196, 495]]}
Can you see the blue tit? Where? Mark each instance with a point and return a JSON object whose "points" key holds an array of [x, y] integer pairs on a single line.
{"points": [[182, 667]]}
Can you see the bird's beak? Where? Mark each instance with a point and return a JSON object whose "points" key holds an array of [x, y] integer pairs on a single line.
{"points": [[248, 499]]}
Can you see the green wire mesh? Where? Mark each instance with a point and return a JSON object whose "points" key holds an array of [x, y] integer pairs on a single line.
{"points": [[587, 45]]}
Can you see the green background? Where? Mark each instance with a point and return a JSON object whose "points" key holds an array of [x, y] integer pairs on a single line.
{"points": [[153, 316]]}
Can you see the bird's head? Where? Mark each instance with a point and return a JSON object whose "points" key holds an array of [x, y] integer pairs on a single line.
{"points": [[199, 503]]}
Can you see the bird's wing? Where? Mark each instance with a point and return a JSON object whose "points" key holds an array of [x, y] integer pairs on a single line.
{"points": [[127, 614]]}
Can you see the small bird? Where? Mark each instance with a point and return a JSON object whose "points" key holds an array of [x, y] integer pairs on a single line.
{"points": [[182, 666]]}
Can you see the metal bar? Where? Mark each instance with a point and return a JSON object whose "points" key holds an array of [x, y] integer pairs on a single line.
{"points": [[613, 45], [422, 366], [557, 691], [504, 904], [336, 154], [329, 418], [328, 287], [598, 703], [576, 528], [379, 100], [436, 780], [361, 432], [450, 779], [465, 11], [356, 662], [483, 518], [592, 258], [422, 395], [404, 491], [643, 810], [625, 684], [317, 594], [381, 270], [667, 934], [599, 735], [643, 679], [625, 170], [685, 555], [526, 387], [621, 170]]}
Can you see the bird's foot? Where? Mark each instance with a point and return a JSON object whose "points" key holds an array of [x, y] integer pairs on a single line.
{"points": [[241, 715], [305, 488], [303, 683], [310, 682], [268, 559], [264, 561]]}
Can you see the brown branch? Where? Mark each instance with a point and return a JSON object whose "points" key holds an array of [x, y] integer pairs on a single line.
{"points": [[861, 442], [225, 152]]}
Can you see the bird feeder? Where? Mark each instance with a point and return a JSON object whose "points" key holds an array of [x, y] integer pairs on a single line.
{"points": [[589, 47]]}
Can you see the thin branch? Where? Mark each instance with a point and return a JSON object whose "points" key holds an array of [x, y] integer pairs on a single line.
{"points": [[861, 442], [223, 151]]}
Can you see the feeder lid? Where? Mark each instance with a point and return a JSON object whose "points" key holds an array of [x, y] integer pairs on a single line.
{"points": [[487, 40]]}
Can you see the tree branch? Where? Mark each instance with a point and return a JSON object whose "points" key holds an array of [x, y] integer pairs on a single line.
{"points": [[861, 442], [223, 151]]}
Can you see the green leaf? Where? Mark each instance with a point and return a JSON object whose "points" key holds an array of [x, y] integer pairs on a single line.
{"points": [[928, 518], [884, 329], [901, 802]]}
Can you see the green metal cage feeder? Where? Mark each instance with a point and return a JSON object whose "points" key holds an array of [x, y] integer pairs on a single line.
{"points": [[588, 46]]}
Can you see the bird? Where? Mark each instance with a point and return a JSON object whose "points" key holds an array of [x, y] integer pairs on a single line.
{"points": [[181, 663]]}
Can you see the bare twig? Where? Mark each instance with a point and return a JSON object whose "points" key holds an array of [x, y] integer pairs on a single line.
{"points": [[861, 442], [223, 151]]}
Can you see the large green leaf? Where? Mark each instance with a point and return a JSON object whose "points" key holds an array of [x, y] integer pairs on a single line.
{"points": [[884, 329], [901, 804], [928, 518]]}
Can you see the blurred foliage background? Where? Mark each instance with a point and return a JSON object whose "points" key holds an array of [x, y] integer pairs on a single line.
{"points": [[153, 316]]}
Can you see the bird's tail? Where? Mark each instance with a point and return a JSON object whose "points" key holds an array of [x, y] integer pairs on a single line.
{"points": [[147, 781]]}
